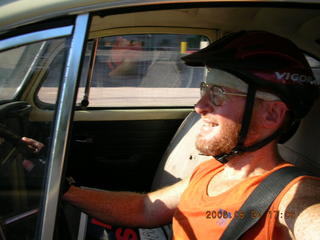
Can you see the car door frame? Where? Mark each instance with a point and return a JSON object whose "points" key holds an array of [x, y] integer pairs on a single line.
{"points": [[64, 110]]}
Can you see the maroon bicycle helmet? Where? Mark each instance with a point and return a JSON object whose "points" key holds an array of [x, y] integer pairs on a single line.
{"points": [[270, 62], [266, 62]]}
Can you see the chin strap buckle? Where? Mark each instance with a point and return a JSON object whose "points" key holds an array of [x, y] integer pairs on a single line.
{"points": [[223, 157]]}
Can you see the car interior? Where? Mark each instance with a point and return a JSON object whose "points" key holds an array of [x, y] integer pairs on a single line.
{"points": [[134, 126], [148, 144], [181, 157], [147, 139]]}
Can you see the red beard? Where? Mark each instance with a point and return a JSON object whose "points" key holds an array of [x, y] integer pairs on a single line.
{"points": [[224, 142]]}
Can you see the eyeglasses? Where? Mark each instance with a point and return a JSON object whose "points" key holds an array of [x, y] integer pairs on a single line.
{"points": [[217, 94]]}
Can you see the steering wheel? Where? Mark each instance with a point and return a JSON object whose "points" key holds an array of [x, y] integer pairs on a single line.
{"points": [[17, 109], [14, 109]]}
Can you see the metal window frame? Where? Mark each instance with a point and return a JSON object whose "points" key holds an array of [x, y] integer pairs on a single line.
{"points": [[38, 36], [63, 117], [33, 37], [28, 38]]}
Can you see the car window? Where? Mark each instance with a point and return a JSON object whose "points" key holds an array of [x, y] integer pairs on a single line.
{"points": [[52, 75], [22, 164], [15, 64], [138, 70], [142, 70], [315, 65]]}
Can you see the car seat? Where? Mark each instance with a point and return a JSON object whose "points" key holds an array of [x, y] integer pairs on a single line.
{"points": [[163, 70], [302, 149], [181, 156]]}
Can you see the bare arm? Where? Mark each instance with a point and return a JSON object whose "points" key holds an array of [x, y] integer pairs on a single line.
{"points": [[127, 208], [302, 206]]}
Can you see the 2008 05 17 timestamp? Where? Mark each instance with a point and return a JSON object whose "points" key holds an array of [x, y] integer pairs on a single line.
{"points": [[252, 214]]}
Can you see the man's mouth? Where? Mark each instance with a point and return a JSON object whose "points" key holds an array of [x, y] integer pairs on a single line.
{"points": [[208, 126], [209, 123]]}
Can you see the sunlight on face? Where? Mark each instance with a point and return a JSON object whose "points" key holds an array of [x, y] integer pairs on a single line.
{"points": [[221, 125], [218, 138]]}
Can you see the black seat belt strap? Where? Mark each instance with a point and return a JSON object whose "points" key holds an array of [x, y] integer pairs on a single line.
{"points": [[260, 200]]}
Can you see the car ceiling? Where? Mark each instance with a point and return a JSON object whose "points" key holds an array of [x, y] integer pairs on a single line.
{"points": [[301, 25]]}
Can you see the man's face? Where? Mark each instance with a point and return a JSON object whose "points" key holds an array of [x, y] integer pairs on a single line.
{"points": [[221, 124]]}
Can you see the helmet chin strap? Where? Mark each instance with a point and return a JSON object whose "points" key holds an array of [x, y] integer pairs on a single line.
{"points": [[246, 119]]}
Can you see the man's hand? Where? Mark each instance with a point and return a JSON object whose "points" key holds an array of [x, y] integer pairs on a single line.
{"points": [[34, 145]]}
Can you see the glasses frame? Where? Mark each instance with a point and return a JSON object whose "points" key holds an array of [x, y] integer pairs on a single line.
{"points": [[217, 94]]}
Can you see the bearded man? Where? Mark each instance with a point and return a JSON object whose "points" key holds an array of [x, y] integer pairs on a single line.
{"points": [[258, 88]]}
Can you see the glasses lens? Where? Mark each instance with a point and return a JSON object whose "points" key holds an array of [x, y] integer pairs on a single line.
{"points": [[217, 95], [214, 93], [203, 89]]}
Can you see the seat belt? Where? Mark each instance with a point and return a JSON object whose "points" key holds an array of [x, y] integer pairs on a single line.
{"points": [[260, 200]]}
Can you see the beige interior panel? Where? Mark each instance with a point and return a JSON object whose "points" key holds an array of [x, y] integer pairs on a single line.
{"points": [[292, 23]]}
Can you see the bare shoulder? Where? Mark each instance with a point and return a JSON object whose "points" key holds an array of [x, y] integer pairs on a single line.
{"points": [[306, 191], [301, 205]]}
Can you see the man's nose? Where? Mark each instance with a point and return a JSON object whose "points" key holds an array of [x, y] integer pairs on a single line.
{"points": [[204, 105]]}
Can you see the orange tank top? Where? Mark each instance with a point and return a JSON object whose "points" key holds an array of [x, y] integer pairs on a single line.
{"points": [[199, 216]]}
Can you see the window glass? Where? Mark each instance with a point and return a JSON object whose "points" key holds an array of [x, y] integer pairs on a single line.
{"points": [[315, 65], [15, 65], [142, 70], [53, 72], [23, 162]]}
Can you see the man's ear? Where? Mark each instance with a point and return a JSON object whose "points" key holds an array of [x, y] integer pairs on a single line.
{"points": [[274, 114]]}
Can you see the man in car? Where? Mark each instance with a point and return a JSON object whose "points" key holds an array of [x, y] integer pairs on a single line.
{"points": [[258, 87]]}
